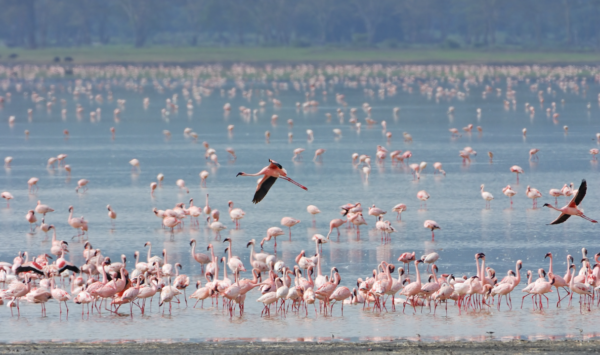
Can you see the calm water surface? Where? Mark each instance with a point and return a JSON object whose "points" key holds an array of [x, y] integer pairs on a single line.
{"points": [[504, 234]]}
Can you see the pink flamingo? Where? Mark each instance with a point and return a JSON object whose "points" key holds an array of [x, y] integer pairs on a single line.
{"points": [[289, 222], [508, 191], [335, 223], [412, 289], [423, 196], [406, 258], [431, 224], [571, 209], [272, 232], [558, 280], [517, 170], [533, 194], [7, 196], [270, 174], [399, 208]]}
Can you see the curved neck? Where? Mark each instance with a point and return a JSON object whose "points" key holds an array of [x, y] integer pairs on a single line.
{"points": [[418, 273], [193, 249], [149, 251], [550, 268]]}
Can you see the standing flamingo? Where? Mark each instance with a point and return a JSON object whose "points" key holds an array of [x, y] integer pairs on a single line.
{"points": [[289, 222], [399, 208], [533, 194], [517, 170], [430, 224], [508, 191], [488, 197]]}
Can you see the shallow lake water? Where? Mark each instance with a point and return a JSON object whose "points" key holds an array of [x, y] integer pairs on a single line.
{"points": [[503, 233]]}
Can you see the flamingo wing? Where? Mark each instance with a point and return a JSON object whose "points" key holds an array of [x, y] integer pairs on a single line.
{"points": [[263, 188], [28, 269], [561, 219], [580, 193]]}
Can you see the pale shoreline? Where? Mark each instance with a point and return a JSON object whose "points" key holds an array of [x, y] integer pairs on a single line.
{"points": [[331, 347]]}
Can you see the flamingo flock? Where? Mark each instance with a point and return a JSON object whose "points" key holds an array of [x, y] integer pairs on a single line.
{"points": [[296, 281]]}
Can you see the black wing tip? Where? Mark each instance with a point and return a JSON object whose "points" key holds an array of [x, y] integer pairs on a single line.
{"points": [[21, 269], [73, 268]]}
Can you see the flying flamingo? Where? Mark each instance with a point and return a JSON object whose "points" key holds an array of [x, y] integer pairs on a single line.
{"points": [[271, 172], [517, 170], [571, 208], [430, 224]]}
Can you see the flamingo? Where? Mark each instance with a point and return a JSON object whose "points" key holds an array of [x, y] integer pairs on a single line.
{"points": [[558, 281], [236, 214], [289, 222], [112, 215], [335, 223], [406, 258], [423, 196], [431, 224], [313, 210], [555, 193], [571, 209], [200, 258], [43, 209], [533, 194], [517, 170], [412, 289], [7, 196], [508, 191], [399, 208], [270, 174], [272, 232], [488, 197]]}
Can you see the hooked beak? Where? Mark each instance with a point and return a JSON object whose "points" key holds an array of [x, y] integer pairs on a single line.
{"points": [[547, 255], [226, 240]]}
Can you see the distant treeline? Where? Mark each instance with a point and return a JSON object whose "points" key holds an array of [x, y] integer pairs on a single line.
{"points": [[301, 23]]}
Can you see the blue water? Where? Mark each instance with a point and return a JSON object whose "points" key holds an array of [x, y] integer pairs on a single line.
{"points": [[503, 233]]}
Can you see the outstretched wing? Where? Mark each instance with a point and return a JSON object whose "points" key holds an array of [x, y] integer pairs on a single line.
{"points": [[580, 193], [561, 219], [28, 269], [263, 188], [72, 268]]}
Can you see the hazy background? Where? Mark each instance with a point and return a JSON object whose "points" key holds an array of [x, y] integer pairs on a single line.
{"points": [[449, 24]]}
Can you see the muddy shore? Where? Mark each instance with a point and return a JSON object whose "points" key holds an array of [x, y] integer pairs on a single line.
{"points": [[233, 347]]}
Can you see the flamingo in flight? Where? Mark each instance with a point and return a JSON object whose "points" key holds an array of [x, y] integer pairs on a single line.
{"points": [[571, 208], [271, 173]]}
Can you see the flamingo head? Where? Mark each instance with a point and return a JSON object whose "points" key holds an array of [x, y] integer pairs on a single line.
{"points": [[226, 240], [548, 254]]}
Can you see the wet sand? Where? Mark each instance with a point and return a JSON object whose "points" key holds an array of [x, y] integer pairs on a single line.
{"points": [[233, 347]]}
